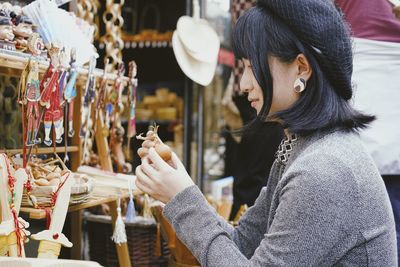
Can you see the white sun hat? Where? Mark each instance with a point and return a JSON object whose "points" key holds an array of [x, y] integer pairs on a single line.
{"points": [[196, 46]]}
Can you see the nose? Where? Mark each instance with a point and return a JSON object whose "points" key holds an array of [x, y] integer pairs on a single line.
{"points": [[245, 84]]}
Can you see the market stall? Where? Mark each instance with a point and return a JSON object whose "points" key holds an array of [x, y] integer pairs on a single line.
{"points": [[71, 111]]}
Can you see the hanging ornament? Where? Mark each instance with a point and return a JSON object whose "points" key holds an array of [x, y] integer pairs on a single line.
{"points": [[88, 99], [50, 98], [130, 210], [70, 92], [132, 87], [119, 235]]}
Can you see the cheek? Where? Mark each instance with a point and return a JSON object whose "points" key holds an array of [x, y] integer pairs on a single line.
{"points": [[283, 97]]}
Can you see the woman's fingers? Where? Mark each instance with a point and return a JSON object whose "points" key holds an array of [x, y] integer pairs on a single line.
{"points": [[147, 168], [143, 188], [144, 181], [142, 152], [176, 161], [157, 160], [148, 144]]}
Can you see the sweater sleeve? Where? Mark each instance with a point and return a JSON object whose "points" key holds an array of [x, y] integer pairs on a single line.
{"points": [[306, 225]]}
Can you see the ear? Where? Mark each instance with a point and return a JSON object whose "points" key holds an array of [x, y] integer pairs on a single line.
{"points": [[303, 67]]}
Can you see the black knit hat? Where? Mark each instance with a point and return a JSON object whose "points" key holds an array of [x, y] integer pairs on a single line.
{"points": [[319, 25]]}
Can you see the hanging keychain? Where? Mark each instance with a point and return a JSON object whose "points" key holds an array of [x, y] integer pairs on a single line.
{"points": [[132, 87]]}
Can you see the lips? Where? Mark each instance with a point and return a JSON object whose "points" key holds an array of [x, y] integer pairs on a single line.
{"points": [[253, 101]]}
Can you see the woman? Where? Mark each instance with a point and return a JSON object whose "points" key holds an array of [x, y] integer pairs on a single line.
{"points": [[325, 203]]}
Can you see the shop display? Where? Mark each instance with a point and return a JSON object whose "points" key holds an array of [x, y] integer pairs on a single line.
{"points": [[60, 114]]}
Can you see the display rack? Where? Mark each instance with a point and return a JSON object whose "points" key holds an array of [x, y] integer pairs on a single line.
{"points": [[12, 63]]}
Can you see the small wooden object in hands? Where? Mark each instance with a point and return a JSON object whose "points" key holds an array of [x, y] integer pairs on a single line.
{"points": [[152, 137]]}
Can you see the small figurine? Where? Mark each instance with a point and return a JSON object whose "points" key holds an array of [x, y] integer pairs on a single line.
{"points": [[32, 97], [115, 97], [87, 100], [23, 30], [70, 91], [132, 87], [50, 97], [6, 33], [35, 44]]}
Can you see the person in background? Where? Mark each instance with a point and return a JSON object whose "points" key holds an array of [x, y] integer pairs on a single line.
{"points": [[325, 203], [376, 78], [252, 157]]}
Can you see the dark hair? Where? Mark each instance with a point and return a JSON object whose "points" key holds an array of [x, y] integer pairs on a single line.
{"points": [[259, 34]]}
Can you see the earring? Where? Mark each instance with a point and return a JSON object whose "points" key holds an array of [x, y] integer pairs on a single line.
{"points": [[299, 85]]}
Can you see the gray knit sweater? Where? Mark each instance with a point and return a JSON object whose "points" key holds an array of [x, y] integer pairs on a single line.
{"points": [[326, 206]]}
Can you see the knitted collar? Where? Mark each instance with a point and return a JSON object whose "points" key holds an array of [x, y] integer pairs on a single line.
{"points": [[286, 147]]}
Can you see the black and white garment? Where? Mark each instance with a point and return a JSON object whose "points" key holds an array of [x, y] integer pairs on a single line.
{"points": [[285, 148]]}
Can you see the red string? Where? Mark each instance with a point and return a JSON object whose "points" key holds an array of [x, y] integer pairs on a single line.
{"points": [[53, 201], [48, 217], [23, 135], [17, 231], [54, 195]]}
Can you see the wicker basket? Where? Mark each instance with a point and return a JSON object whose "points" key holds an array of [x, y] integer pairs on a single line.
{"points": [[142, 239]]}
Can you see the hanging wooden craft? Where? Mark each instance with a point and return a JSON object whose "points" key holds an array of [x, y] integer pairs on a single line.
{"points": [[87, 100], [32, 97], [117, 132], [52, 239], [23, 29], [112, 39], [101, 99], [12, 228], [50, 98], [87, 10], [6, 33], [70, 92], [132, 87]]}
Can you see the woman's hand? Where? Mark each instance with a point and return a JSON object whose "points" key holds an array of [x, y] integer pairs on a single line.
{"points": [[160, 180]]}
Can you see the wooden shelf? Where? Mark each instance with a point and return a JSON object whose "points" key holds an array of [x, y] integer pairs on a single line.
{"points": [[15, 60], [97, 197], [42, 150]]}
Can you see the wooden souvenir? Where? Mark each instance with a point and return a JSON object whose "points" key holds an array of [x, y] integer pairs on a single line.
{"points": [[12, 233], [70, 92], [113, 21], [31, 98], [6, 34], [52, 239], [132, 87], [117, 133], [50, 98], [22, 30], [86, 122], [35, 45]]}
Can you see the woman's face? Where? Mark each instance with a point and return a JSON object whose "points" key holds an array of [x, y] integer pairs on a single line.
{"points": [[249, 85], [283, 78]]}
